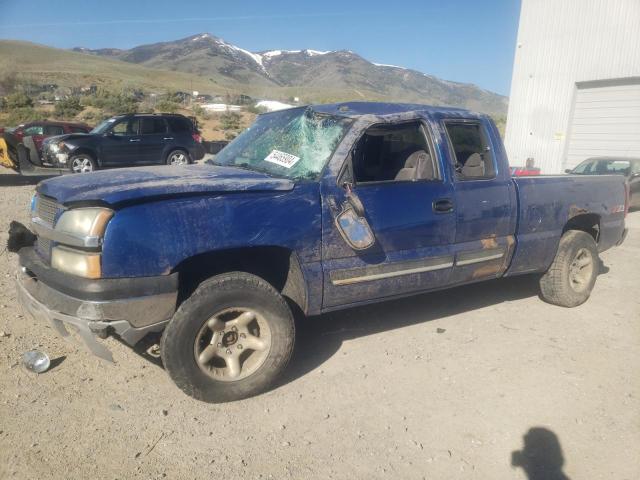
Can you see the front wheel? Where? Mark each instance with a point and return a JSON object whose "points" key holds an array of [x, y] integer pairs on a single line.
{"points": [[572, 275], [82, 163], [229, 340], [178, 157]]}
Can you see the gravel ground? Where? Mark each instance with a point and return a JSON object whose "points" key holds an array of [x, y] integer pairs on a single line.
{"points": [[438, 386]]}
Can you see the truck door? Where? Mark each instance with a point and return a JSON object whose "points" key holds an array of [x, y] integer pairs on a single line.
{"points": [[393, 172], [484, 198]]}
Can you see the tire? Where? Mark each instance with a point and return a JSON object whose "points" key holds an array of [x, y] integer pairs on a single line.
{"points": [[572, 275], [178, 157], [82, 163], [224, 300]]}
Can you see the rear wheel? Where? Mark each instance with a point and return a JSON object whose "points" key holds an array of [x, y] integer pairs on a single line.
{"points": [[178, 157], [82, 163], [229, 340], [572, 275]]}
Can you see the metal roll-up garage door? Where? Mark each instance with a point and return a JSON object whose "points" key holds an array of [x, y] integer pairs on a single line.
{"points": [[605, 120]]}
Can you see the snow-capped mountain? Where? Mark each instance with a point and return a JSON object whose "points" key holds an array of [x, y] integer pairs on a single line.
{"points": [[312, 74]]}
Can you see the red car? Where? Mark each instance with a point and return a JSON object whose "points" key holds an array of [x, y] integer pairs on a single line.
{"points": [[45, 128]]}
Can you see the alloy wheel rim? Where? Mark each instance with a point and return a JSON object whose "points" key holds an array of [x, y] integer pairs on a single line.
{"points": [[178, 159], [581, 270], [82, 165], [232, 344]]}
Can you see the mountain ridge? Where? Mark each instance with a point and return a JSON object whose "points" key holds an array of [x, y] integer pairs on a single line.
{"points": [[314, 75]]}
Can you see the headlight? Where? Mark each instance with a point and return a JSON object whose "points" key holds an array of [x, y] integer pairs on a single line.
{"points": [[76, 262], [84, 222]]}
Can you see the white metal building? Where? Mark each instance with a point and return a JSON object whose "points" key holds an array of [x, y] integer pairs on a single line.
{"points": [[575, 91]]}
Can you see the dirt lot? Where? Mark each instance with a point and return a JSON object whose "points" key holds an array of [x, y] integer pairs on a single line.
{"points": [[440, 386]]}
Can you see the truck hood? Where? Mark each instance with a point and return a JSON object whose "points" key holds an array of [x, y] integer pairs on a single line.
{"points": [[137, 184]]}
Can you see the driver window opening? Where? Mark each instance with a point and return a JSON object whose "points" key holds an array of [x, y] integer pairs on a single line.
{"points": [[393, 153]]}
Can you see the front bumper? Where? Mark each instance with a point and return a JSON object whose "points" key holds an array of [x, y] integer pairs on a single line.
{"points": [[94, 319]]}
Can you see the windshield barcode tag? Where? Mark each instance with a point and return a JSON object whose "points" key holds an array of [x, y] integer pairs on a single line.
{"points": [[282, 158]]}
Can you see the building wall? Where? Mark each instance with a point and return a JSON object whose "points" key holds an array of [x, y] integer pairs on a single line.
{"points": [[561, 42]]}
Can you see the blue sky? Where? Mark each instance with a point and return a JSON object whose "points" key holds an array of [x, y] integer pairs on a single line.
{"points": [[462, 40]]}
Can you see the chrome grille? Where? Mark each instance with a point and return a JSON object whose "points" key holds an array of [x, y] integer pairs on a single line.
{"points": [[46, 210], [43, 247]]}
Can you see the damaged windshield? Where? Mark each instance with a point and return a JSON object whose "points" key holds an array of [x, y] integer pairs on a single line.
{"points": [[294, 143]]}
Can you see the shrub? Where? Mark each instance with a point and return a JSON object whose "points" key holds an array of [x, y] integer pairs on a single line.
{"points": [[200, 112], [230, 121], [112, 103], [23, 115], [68, 108], [18, 100], [167, 106]]}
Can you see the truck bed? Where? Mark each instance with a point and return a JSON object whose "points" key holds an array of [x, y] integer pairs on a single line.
{"points": [[547, 202]]}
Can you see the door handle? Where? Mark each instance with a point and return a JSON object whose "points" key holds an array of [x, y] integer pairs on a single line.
{"points": [[444, 205], [134, 140], [168, 138]]}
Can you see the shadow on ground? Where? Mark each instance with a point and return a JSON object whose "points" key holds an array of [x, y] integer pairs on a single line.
{"points": [[319, 338], [541, 456], [15, 180]]}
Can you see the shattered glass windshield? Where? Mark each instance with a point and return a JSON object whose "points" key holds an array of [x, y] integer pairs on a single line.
{"points": [[294, 143]]}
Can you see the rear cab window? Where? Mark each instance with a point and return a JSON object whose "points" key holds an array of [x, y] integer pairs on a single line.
{"points": [[472, 154]]}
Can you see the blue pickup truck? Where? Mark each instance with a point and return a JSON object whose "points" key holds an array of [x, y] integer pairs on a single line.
{"points": [[312, 209]]}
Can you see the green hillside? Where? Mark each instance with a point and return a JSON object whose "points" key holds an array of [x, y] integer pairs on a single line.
{"points": [[38, 64]]}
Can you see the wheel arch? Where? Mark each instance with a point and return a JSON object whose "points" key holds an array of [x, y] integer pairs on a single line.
{"points": [[585, 222], [277, 265], [86, 151]]}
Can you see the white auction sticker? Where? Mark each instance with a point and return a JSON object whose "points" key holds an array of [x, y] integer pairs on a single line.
{"points": [[282, 158]]}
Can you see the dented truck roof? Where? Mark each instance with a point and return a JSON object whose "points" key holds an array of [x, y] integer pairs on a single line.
{"points": [[359, 109]]}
